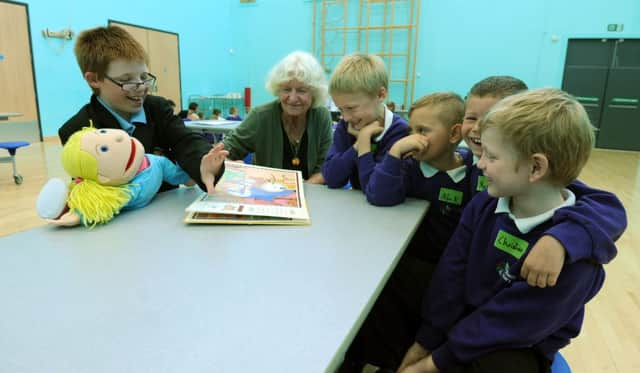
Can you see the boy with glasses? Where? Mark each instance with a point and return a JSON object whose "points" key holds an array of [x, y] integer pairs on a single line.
{"points": [[114, 65]]}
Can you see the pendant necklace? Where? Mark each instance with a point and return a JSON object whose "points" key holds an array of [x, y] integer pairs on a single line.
{"points": [[295, 148]]}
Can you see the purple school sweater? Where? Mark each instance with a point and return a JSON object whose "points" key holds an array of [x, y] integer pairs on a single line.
{"points": [[393, 180], [477, 302], [342, 163], [588, 229]]}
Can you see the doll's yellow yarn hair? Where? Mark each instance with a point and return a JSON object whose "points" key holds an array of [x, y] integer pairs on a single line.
{"points": [[96, 203]]}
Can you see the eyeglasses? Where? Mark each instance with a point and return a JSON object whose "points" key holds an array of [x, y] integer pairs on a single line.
{"points": [[132, 87]]}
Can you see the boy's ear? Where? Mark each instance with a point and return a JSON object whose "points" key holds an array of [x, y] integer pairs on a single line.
{"points": [[455, 133], [92, 79], [539, 167], [382, 94]]}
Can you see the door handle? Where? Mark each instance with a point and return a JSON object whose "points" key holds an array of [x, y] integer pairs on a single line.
{"points": [[587, 101], [624, 103], [621, 100]]}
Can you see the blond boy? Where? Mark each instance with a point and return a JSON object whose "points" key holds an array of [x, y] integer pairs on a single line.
{"points": [[367, 130], [544, 263], [426, 164]]}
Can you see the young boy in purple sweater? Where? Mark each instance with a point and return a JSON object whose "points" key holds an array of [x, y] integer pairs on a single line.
{"points": [[479, 315], [543, 266], [367, 129], [427, 164]]}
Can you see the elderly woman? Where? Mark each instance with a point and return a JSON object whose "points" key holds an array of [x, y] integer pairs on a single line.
{"points": [[293, 131]]}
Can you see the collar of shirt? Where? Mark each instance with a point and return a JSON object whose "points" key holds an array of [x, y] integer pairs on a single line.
{"points": [[475, 159], [127, 125], [525, 225], [388, 119], [457, 174]]}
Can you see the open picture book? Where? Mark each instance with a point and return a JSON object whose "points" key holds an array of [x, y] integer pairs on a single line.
{"points": [[248, 194]]}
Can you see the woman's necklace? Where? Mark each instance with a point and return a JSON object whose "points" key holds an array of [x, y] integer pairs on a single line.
{"points": [[295, 148], [294, 143]]}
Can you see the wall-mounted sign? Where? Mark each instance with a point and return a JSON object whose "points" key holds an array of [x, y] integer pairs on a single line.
{"points": [[615, 27]]}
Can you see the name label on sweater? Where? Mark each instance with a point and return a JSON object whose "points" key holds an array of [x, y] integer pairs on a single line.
{"points": [[374, 147], [482, 183], [511, 244], [451, 196]]}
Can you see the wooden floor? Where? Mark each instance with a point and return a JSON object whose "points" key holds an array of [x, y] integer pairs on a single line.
{"points": [[610, 339]]}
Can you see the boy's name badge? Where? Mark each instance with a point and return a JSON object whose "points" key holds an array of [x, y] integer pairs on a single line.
{"points": [[482, 183], [511, 244], [451, 196]]}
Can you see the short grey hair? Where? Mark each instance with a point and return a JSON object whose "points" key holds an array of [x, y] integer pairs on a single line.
{"points": [[303, 67]]}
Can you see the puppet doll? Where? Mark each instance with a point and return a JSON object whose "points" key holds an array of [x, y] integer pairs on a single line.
{"points": [[110, 173]]}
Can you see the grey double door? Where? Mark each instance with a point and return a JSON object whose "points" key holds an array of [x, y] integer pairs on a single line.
{"points": [[604, 75]]}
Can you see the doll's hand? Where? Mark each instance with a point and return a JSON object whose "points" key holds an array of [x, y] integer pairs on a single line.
{"points": [[542, 266], [68, 219], [210, 165], [409, 146], [52, 199]]}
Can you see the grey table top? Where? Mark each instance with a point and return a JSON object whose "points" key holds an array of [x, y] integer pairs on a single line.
{"points": [[147, 293]]}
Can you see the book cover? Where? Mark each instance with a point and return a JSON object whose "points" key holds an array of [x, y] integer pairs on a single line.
{"points": [[248, 194]]}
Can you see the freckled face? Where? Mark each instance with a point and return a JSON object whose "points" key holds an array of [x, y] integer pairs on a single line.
{"points": [[123, 71]]}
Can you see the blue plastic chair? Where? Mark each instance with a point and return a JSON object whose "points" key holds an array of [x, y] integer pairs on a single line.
{"points": [[559, 364], [12, 147]]}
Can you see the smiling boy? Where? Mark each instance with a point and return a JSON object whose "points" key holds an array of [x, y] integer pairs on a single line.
{"points": [[367, 129], [114, 65]]}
